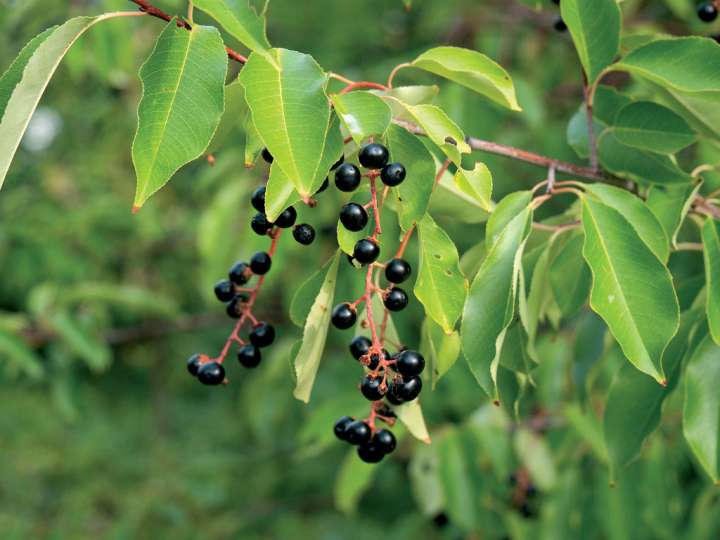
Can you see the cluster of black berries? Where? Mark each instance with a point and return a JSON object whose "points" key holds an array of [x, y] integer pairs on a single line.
{"points": [[707, 12], [303, 233], [371, 447], [353, 216], [344, 315]]}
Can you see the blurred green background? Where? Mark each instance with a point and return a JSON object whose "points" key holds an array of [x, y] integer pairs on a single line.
{"points": [[105, 436]]}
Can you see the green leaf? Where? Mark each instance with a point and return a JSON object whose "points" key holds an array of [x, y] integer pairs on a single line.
{"points": [[286, 95], [711, 254], [182, 103], [634, 402], [646, 225], [701, 412], [25, 81], [240, 20], [410, 414], [425, 480], [689, 71], [649, 126], [308, 357], [535, 454], [234, 108], [570, 277], [363, 114], [595, 29], [440, 285], [441, 350], [670, 204], [414, 193], [279, 193], [354, 479], [472, 70], [304, 298], [476, 184], [506, 210], [638, 165], [253, 142], [14, 350], [632, 290], [410, 95], [490, 304]]}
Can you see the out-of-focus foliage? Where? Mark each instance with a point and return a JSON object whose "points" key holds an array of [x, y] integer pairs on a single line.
{"points": [[105, 436]]}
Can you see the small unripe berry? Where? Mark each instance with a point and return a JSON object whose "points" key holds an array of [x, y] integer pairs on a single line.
{"points": [[409, 363], [239, 274], [211, 374], [396, 299], [304, 234], [224, 290], [260, 263], [360, 346], [287, 218], [373, 156], [262, 335], [249, 356], [343, 316], [353, 217], [397, 271], [393, 174], [347, 177], [366, 251], [258, 199]]}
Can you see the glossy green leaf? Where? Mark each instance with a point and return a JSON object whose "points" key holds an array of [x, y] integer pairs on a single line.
{"points": [[305, 295], [240, 20], [570, 277], [15, 352], [505, 211], [308, 357], [184, 74], [490, 304], [441, 350], [25, 81], [632, 290], [473, 70], [286, 95], [410, 95], [691, 69], [638, 165], [235, 107], [634, 403], [670, 204], [449, 201], [440, 285], [411, 415], [279, 193], [414, 193], [711, 253], [476, 184], [701, 412], [595, 29], [646, 225], [649, 126], [353, 479], [363, 114]]}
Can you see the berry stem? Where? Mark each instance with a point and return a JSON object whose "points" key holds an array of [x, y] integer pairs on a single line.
{"points": [[376, 209], [362, 84]]}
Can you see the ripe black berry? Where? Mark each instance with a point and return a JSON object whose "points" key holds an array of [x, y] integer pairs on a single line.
{"points": [[347, 177], [260, 263], [393, 174], [385, 441], [373, 156], [262, 335], [366, 251], [211, 374], [358, 432], [559, 25], [343, 316], [370, 453], [353, 217], [396, 299], [287, 218], [233, 307], [371, 387], [239, 274], [267, 156], [707, 12], [304, 234], [338, 163], [409, 363], [410, 388], [360, 346], [373, 361], [324, 186], [258, 199], [260, 224], [340, 427], [397, 270], [393, 393], [224, 290], [249, 356], [193, 364]]}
